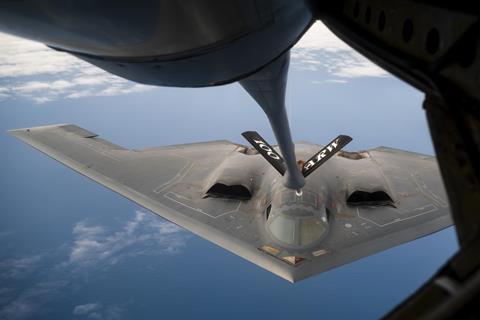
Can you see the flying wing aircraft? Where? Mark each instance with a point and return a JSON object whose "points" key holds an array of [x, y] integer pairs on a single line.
{"points": [[433, 46], [354, 205]]}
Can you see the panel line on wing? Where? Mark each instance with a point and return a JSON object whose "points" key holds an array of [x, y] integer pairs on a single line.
{"points": [[427, 192], [179, 176], [87, 142], [434, 208], [172, 195]]}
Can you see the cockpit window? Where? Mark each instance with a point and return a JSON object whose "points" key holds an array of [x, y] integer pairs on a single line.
{"points": [[309, 198], [311, 229], [283, 229], [288, 197], [296, 220], [298, 230]]}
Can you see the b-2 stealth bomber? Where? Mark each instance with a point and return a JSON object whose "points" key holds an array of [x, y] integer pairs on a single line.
{"points": [[355, 204]]}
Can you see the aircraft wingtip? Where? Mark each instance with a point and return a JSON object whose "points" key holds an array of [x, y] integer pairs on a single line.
{"points": [[15, 132]]}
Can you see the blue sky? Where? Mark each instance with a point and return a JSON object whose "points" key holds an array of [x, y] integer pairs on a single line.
{"points": [[73, 249]]}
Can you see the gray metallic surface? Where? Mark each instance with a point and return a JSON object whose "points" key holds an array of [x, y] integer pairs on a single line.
{"points": [[172, 182], [267, 87], [186, 43]]}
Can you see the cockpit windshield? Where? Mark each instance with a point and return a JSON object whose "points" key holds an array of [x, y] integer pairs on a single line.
{"points": [[297, 225], [283, 229], [311, 229]]}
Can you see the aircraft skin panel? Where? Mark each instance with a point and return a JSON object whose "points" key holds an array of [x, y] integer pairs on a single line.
{"points": [[174, 182]]}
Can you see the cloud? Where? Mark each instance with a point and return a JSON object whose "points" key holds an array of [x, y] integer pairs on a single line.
{"points": [[5, 233], [30, 301], [320, 37], [21, 58], [95, 246], [20, 267], [320, 50], [95, 249], [86, 308], [98, 311], [33, 71], [5, 295], [329, 81]]}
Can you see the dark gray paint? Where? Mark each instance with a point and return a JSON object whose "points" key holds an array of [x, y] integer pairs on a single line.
{"points": [[172, 181], [267, 87], [187, 43]]}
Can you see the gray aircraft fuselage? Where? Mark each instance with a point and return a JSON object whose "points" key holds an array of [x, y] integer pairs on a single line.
{"points": [[354, 205]]}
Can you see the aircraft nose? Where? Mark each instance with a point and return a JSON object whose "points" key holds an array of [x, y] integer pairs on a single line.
{"points": [[297, 221]]}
